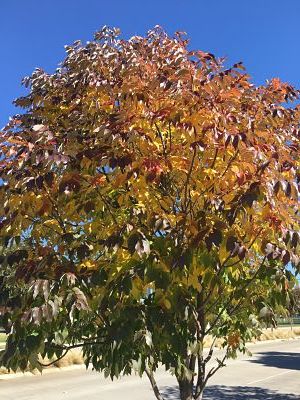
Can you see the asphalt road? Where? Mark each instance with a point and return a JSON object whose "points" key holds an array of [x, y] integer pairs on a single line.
{"points": [[272, 373]]}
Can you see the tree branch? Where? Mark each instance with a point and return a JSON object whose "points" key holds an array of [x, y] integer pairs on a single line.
{"points": [[201, 375], [170, 134], [77, 345], [231, 297], [219, 177], [161, 139], [152, 380], [213, 370], [53, 362], [249, 247], [104, 201], [188, 179], [214, 159], [67, 349], [211, 351]]}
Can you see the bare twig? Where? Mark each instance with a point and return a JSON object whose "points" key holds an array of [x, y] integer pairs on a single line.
{"points": [[213, 370]]}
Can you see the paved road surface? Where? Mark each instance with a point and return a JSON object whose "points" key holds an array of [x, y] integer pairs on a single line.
{"points": [[272, 373]]}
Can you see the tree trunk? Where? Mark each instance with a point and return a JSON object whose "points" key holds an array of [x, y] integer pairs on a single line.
{"points": [[201, 378], [200, 395], [186, 389]]}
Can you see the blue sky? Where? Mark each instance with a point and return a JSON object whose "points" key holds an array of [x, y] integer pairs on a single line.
{"points": [[264, 34]]}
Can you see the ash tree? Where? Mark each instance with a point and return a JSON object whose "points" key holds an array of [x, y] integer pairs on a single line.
{"points": [[150, 201]]}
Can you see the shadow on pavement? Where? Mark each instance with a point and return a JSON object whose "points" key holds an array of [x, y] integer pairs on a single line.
{"points": [[278, 360], [218, 392]]}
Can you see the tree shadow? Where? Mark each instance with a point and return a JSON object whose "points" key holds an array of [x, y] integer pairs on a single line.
{"points": [[218, 392], [278, 360]]}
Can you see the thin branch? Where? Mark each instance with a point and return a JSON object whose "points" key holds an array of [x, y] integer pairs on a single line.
{"points": [[161, 139], [229, 163], [219, 177], [104, 201], [249, 247], [211, 351], [55, 207], [67, 349], [170, 134], [215, 158], [73, 224], [233, 264], [253, 241], [213, 370], [188, 179], [211, 186], [35, 221], [222, 267], [214, 303], [74, 346], [152, 380], [105, 173], [231, 297], [53, 362], [159, 203]]}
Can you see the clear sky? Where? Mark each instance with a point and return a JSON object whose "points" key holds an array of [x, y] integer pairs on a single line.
{"points": [[264, 34]]}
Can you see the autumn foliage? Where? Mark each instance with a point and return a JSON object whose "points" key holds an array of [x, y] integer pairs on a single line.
{"points": [[150, 198]]}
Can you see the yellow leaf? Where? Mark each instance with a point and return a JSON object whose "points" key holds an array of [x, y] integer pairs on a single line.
{"points": [[88, 264]]}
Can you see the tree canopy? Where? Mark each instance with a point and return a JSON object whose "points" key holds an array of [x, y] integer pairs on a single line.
{"points": [[150, 199]]}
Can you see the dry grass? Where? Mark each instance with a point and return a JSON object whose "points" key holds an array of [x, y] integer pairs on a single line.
{"points": [[267, 334], [75, 357], [279, 333], [2, 338], [209, 341]]}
